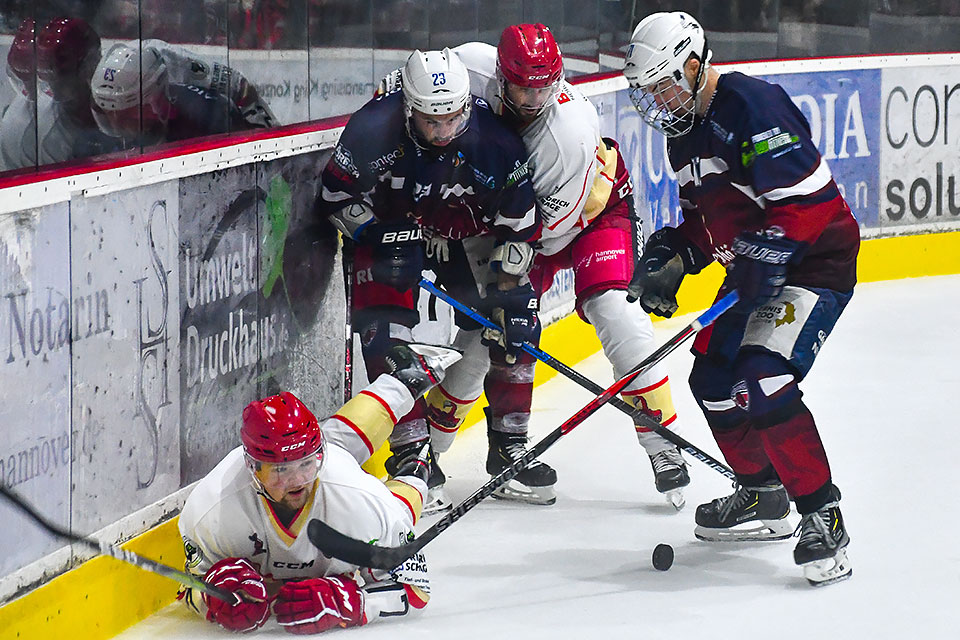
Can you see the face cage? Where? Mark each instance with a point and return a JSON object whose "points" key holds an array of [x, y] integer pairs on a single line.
{"points": [[417, 137], [658, 115], [283, 476]]}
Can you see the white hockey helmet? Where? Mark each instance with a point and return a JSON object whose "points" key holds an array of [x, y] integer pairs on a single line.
{"points": [[659, 48], [436, 83], [125, 79]]}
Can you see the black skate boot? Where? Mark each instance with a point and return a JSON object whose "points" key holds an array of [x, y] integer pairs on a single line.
{"points": [[533, 485], [822, 549], [420, 367], [749, 513], [670, 475], [437, 500]]}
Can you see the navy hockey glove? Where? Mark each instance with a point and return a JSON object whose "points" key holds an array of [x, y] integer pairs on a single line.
{"points": [[397, 253], [760, 268], [667, 257], [515, 310]]}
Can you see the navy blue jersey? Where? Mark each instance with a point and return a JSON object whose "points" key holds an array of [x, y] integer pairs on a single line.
{"points": [[200, 112], [477, 184], [750, 164]]}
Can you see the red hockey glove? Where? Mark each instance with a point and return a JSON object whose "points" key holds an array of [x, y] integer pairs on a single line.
{"points": [[239, 576], [313, 606]]}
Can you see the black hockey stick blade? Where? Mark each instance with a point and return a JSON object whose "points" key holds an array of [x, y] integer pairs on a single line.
{"points": [[342, 547]]}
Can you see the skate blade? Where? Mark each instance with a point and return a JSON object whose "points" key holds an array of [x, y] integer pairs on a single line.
{"points": [[820, 573], [767, 531], [437, 502], [675, 498], [518, 492]]}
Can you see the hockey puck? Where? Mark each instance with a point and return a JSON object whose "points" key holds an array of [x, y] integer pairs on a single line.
{"points": [[662, 557]]}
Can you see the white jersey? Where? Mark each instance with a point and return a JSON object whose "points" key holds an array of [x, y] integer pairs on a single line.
{"points": [[562, 143], [18, 132], [226, 517]]}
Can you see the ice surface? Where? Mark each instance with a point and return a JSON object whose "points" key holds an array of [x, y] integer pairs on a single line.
{"points": [[884, 393]]}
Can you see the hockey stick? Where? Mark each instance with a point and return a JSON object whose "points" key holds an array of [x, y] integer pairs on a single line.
{"points": [[588, 384], [136, 560], [337, 545], [347, 255]]}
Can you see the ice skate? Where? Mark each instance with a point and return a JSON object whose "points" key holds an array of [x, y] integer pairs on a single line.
{"points": [[436, 500], [420, 366], [748, 514], [822, 549], [533, 485], [670, 475]]}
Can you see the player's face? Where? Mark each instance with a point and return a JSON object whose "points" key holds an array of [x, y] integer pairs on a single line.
{"points": [[289, 483], [439, 130], [670, 96], [528, 102]]}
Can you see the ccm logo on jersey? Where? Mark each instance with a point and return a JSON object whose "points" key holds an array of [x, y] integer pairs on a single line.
{"points": [[406, 235]]}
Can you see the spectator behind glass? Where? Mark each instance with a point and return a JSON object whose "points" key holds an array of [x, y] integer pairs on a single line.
{"points": [[68, 50], [18, 123], [267, 24], [171, 111]]}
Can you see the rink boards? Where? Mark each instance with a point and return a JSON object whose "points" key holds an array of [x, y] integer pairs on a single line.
{"points": [[143, 304]]}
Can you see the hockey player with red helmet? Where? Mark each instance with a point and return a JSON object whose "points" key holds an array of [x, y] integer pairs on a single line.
{"points": [[584, 197], [757, 197], [68, 50], [18, 123], [244, 526]]}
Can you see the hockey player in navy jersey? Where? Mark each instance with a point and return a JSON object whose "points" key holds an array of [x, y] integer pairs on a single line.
{"points": [[756, 196], [429, 176], [137, 101], [584, 196]]}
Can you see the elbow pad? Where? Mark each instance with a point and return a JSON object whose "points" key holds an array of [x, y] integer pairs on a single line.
{"points": [[512, 258], [353, 219]]}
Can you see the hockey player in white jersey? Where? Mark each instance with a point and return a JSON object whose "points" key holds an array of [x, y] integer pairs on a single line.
{"points": [[244, 526], [584, 196]]}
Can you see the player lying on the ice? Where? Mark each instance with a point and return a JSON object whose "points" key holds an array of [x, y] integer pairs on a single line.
{"points": [[244, 526]]}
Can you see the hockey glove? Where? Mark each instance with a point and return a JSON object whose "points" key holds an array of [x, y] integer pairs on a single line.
{"points": [[515, 310], [397, 253], [239, 576], [319, 604], [760, 268], [667, 257]]}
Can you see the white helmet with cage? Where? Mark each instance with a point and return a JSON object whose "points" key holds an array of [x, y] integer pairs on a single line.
{"points": [[125, 79], [659, 49], [436, 84]]}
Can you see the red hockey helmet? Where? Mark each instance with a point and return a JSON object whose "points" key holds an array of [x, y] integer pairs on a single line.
{"points": [[528, 56], [22, 59], [68, 50], [280, 428]]}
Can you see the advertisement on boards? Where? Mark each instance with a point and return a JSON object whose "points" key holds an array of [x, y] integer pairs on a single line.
{"points": [[38, 321], [123, 265], [256, 270], [843, 109], [920, 139]]}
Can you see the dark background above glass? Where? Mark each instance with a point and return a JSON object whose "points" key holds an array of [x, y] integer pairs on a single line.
{"points": [[310, 59]]}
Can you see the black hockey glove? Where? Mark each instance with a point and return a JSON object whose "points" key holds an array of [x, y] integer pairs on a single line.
{"points": [[515, 310], [397, 253], [419, 366], [760, 268], [667, 257], [412, 460]]}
